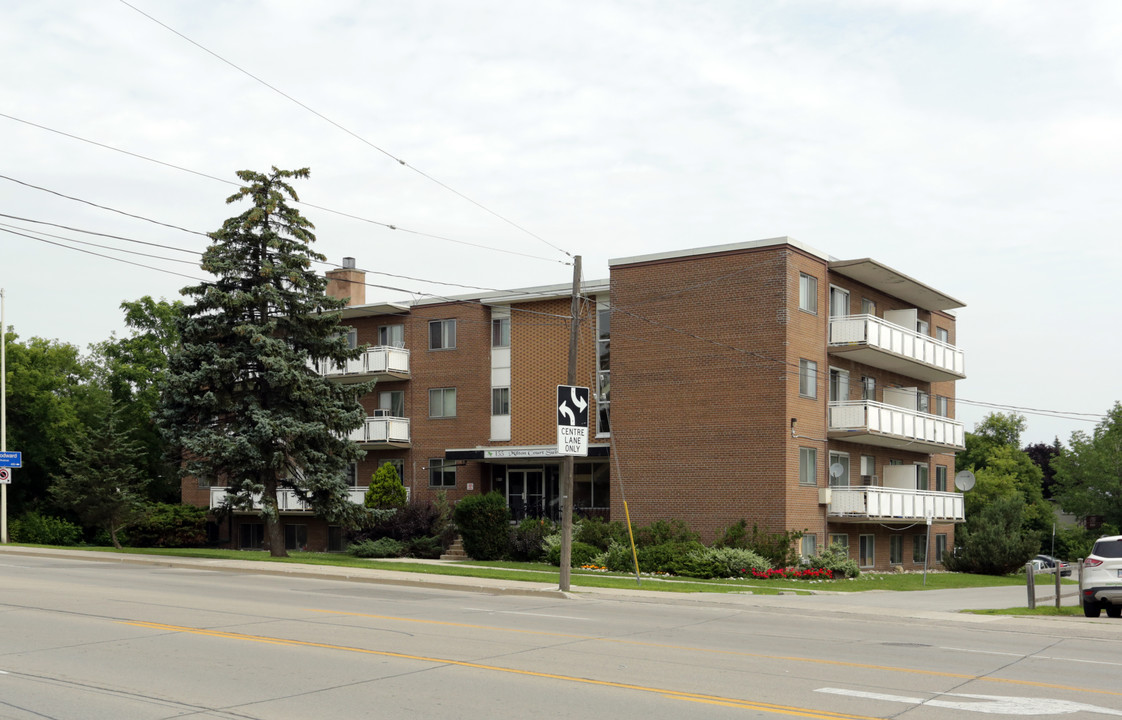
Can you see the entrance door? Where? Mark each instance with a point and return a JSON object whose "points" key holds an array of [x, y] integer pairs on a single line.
{"points": [[526, 492]]}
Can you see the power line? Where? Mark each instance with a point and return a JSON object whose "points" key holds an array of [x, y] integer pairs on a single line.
{"points": [[353, 134], [107, 257]]}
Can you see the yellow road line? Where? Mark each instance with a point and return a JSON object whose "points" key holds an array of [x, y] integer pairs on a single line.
{"points": [[738, 653], [676, 694]]}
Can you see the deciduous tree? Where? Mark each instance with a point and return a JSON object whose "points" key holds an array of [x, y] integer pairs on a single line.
{"points": [[1089, 472]]}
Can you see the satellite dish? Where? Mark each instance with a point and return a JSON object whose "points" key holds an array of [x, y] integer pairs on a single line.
{"points": [[964, 480], [836, 470]]}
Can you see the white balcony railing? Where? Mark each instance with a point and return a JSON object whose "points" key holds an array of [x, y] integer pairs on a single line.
{"points": [[380, 360], [382, 430], [875, 423], [882, 344], [894, 504], [286, 499]]}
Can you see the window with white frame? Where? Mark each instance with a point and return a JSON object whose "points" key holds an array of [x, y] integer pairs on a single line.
{"points": [[869, 388], [867, 551], [943, 335], [922, 472], [839, 302], [808, 466], [500, 401], [603, 366], [391, 403], [896, 549], [442, 402], [868, 307], [442, 334], [940, 547], [391, 336], [808, 293], [839, 384], [923, 401], [868, 469], [941, 406], [809, 546], [922, 327], [839, 539], [941, 478], [352, 337], [442, 473], [841, 460], [500, 331], [919, 548], [808, 378]]}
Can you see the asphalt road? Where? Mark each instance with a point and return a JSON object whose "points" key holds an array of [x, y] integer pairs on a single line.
{"points": [[91, 640]]}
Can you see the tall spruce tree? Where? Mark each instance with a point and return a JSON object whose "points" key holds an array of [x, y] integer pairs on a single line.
{"points": [[240, 401]]}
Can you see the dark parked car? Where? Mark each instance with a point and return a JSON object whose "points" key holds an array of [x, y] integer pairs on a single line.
{"points": [[1047, 561]]}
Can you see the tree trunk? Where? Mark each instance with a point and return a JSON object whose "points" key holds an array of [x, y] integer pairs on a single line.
{"points": [[274, 532]]}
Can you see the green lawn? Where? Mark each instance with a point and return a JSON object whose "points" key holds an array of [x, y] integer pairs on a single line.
{"points": [[542, 573]]}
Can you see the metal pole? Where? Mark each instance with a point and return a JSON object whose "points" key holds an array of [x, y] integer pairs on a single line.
{"points": [[926, 550], [567, 464], [3, 417]]}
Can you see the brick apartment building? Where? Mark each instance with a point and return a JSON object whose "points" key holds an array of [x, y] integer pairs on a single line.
{"points": [[760, 380]]}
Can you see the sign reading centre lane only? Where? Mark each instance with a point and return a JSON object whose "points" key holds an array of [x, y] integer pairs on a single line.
{"points": [[572, 420]]}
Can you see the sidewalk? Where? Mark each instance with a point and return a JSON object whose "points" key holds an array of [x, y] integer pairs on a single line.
{"points": [[930, 604]]}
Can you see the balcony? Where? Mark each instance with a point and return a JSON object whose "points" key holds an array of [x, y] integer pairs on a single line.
{"points": [[874, 423], [382, 431], [891, 505], [375, 363], [286, 499], [870, 340]]}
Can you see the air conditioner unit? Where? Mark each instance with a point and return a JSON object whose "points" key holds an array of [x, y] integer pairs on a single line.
{"points": [[870, 480], [380, 413]]}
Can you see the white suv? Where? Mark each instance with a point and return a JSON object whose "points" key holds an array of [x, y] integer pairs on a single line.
{"points": [[1101, 586]]}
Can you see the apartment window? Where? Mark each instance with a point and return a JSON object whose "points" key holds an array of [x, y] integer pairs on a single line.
{"points": [[603, 366], [922, 327], [203, 480], [392, 403], [868, 469], [442, 334], [943, 335], [839, 302], [500, 332], [808, 378], [869, 388], [919, 548], [866, 551], [352, 338], [295, 537], [839, 385], [922, 472], [442, 402], [840, 539], [941, 478], [809, 546], [808, 293], [868, 307], [500, 401], [399, 467], [940, 547], [808, 466], [391, 335], [442, 473], [941, 406], [335, 539], [841, 460], [923, 401], [251, 536], [352, 474], [896, 550]]}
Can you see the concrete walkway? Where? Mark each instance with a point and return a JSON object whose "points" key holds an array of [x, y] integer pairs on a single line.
{"points": [[929, 604]]}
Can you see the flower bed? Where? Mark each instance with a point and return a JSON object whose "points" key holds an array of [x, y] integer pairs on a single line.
{"points": [[789, 574]]}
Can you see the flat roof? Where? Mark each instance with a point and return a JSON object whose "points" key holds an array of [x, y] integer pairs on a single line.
{"points": [[893, 282], [715, 249]]}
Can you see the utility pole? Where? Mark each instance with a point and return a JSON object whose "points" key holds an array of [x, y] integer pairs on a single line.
{"points": [[3, 417], [567, 464]]}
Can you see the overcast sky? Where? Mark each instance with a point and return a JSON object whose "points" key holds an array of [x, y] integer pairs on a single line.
{"points": [[973, 145]]}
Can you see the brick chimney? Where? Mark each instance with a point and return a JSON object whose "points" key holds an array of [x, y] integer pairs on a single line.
{"points": [[347, 283]]}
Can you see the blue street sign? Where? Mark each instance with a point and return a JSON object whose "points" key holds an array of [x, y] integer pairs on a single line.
{"points": [[11, 459]]}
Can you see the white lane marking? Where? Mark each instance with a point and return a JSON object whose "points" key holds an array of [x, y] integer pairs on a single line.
{"points": [[990, 705], [514, 612], [1032, 657]]}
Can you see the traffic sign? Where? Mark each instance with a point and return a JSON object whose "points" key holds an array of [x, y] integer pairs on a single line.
{"points": [[5, 476], [11, 459], [572, 420]]}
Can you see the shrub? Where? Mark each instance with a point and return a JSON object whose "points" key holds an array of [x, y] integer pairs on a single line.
{"points": [[44, 530], [836, 559], [425, 547], [595, 531], [386, 490], [527, 539], [380, 548], [661, 532], [617, 558], [780, 549], [722, 563], [170, 526], [668, 557], [579, 554], [483, 522], [992, 541]]}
